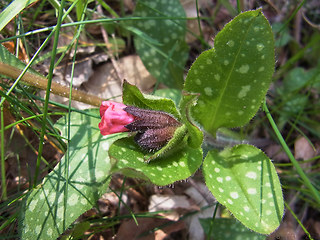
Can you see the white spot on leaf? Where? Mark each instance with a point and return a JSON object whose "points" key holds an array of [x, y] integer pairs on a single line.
{"points": [[244, 69], [260, 46], [230, 43], [182, 164], [252, 191], [33, 204], [230, 201], [217, 77], [124, 161], [208, 91], [159, 168], [234, 195], [37, 229], [244, 90], [73, 200], [246, 208], [49, 231], [251, 175]]}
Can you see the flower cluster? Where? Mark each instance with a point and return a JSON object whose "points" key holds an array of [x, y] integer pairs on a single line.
{"points": [[153, 128]]}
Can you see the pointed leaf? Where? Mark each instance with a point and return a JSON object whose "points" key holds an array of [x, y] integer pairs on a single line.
{"points": [[233, 78], [244, 180], [59, 201]]}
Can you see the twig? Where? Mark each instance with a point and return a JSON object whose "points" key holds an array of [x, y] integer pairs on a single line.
{"points": [[41, 82]]}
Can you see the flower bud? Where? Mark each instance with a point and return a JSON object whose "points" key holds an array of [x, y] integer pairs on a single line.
{"points": [[154, 128]]}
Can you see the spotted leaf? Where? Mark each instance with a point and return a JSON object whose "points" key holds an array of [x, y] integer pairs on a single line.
{"points": [[233, 78], [160, 43], [62, 198], [244, 180]]}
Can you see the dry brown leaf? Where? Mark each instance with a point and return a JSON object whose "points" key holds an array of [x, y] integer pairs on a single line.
{"points": [[129, 229], [191, 12], [105, 83], [195, 229], [303, 149], [173, 203], [275, 152]]}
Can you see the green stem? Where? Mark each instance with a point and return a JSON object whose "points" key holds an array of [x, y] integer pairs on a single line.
{"points": [[199, 23], [297, 219], [108, 8], [48, 90], [295, 163], [3, 169]]}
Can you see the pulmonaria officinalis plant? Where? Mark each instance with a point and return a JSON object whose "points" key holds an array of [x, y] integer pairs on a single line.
{"points": [[224, 88]]}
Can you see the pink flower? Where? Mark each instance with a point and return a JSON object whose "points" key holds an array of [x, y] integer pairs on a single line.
{"points": [[114, 118]]}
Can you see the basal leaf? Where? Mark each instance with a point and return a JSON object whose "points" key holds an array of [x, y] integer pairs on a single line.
{"points": [[228, 229], [166, 55], [244, 180], [233, 78], [168, 169], [62, 197]]}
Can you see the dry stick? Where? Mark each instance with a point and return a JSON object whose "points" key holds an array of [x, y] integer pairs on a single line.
{"points": [[56, 88], [106, 40], [297, 26]]}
